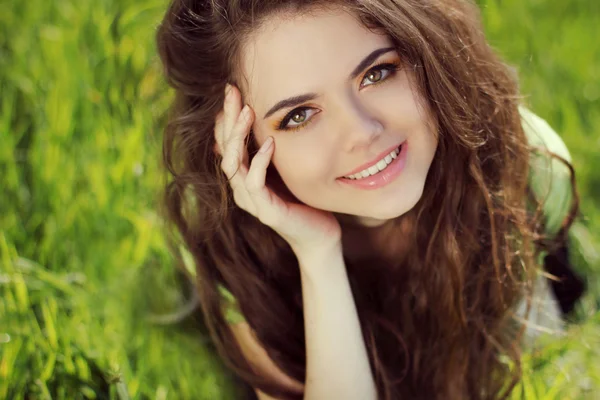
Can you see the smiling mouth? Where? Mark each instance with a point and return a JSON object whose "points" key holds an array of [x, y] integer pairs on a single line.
{"points": [[375, 167]]}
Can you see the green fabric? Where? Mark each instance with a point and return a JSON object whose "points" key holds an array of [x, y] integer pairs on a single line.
{"points": [[549, 180]]}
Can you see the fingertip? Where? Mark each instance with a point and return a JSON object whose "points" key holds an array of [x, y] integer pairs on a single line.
{"points": [[245, 113], [267, 145], [250, 112]]}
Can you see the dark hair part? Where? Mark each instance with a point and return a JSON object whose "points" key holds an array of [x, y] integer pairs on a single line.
{"points": [[438, 321]]}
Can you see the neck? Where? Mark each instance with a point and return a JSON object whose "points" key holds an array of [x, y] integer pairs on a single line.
{"points": [[354, 220], [367, 237]]}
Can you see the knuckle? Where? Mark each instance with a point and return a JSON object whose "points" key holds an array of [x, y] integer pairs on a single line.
{"points": [[225, 146], [252, 187], [226, 166], [238, 153], [228, 163]]}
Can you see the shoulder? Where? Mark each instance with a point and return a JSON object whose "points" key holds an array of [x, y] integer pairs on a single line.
{"points": [[261, 362], [253, 350], [540, 134], [549, 177]]}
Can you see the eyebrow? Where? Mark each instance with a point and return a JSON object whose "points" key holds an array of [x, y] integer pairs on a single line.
{"points": [[296, 100]]}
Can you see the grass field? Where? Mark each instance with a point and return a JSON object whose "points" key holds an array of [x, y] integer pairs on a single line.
{"points": [[84, 268]]}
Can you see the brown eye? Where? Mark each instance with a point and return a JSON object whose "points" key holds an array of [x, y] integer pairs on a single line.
{"points": [[296, 118], [374, 76], [299, 116], [379, 73]]}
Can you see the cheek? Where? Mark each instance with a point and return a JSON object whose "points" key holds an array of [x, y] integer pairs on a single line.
{"points": [[302, 165], [402, 103]]}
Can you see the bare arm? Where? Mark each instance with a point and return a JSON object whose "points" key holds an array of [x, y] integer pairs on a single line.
{"points": [[337, 362], [261, 362]]}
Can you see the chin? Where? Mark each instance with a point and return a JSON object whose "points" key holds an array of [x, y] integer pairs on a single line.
{"points": [[386, 215], [395, 207]]}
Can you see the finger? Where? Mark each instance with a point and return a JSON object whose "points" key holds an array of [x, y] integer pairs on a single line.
{"points": [[235, 152], [256, 176], [266, 204], [232, 110], [240, 133]]}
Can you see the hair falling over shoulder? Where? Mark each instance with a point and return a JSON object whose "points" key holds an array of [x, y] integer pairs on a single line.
{"points": [[438, 322]]}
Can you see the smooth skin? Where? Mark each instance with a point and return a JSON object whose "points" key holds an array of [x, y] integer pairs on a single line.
{"points": [[356, 111], [315, 237], [303, 227]]}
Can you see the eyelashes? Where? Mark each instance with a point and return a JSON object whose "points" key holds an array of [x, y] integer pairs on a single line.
{"points": [[282, 125], [391, 68]]}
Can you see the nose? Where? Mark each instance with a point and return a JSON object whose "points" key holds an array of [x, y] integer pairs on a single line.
{"points": [[359, 127]]}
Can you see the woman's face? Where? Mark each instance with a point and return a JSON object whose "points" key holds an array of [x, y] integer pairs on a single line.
{"points": [[314, 84]]}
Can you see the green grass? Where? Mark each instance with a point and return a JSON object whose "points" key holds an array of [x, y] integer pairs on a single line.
{"points": [[83, 260]]}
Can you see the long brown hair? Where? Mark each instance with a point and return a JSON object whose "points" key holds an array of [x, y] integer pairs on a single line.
{"points": [[436, 317]]}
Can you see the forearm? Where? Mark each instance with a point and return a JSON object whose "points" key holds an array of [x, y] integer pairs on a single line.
{"points": [[337, 366]]}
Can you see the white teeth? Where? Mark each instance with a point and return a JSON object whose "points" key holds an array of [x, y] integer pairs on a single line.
{"points": [[380, 166]]}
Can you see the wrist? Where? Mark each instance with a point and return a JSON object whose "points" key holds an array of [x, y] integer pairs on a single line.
{"points": [[318, 252], [320, 261]]}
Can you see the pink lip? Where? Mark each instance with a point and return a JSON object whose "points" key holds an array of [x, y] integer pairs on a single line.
{"points": [[373, 162], [381, 178]]}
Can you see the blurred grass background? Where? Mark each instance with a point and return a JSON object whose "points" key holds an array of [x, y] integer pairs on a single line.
{"points": [[83, 260]]}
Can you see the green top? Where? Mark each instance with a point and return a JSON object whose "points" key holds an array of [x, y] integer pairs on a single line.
{"points": [[549, 180]]}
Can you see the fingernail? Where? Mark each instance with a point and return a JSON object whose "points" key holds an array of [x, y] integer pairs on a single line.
{"points": [[246, 112], [266, 145], [227, 89]]}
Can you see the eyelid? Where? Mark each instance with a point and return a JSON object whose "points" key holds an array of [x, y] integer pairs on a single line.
{"points": [[391, 66], [289, 115]]}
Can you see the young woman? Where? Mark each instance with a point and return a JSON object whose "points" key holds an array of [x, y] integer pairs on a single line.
{"points": [[358, 186]]}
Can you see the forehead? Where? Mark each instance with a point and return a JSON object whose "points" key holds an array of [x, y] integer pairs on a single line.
{"points": [[291, 55]]}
